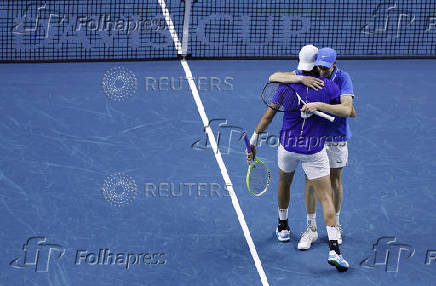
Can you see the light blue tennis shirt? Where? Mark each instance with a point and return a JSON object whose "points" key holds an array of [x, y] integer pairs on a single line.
{"points": [[339, 130]]}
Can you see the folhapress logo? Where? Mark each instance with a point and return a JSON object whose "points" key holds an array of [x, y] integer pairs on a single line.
{"points": [[38, 254], [225, 136], [389, 20], [387, 253], [125, 259]]}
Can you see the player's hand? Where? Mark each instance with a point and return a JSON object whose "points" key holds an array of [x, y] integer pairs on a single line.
{"points": [[310, 107], [251, 155], [312, 82]]}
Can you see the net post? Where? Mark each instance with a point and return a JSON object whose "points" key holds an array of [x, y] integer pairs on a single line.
{"points": [[186, 22]]}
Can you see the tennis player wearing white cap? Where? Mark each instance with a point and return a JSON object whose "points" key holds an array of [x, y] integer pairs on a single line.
{"points": [[338, 134]]}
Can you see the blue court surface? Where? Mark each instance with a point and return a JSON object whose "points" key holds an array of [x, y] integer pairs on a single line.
{"points": [[96, 191]]}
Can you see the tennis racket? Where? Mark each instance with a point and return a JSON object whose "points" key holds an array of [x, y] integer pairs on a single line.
{"points": [[258, 174], [283, 98]]}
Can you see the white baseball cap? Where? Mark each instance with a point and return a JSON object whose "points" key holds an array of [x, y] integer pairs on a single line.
{"points": [[307, 57]]}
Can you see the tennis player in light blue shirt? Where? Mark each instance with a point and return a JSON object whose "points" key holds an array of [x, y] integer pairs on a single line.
{"points": [[338, 134]]}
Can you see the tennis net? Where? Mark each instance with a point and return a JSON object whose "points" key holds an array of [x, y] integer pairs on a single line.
{"points": [[76, 30]]}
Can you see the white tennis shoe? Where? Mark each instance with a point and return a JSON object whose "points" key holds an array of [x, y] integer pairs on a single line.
{"points": [[307, 238]]}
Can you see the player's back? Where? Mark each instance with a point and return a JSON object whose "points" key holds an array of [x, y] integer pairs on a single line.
{"points": [[307, 135]]}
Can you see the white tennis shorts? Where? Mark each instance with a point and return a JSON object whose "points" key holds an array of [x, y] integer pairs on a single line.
{"points": [[314, 165], [337, 153]]}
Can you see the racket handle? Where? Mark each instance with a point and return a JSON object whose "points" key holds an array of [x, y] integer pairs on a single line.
{"points": [[247, 142], [324, 115]]}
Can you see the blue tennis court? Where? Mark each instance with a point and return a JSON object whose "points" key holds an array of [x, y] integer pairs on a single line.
{"points": [[101, 188]]}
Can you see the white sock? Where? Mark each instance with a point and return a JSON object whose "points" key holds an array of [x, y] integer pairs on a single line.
{"points": [[332, 232], [337, 218], [311, 220], [283, 214]]}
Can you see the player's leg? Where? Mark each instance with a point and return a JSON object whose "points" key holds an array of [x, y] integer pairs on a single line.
{"points": [[321, 187], [338, 159], [311, 234], [337, 190], [287, 164], [283, 193], [310, 200], [323, 193], [283, 196], [317, 169]]}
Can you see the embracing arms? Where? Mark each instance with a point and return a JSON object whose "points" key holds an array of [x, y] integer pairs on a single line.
{"points": [[344, 109], [291, 77]]}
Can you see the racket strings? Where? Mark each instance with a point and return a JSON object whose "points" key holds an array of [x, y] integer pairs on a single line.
{"points": [[259, 178], [281, 97]]}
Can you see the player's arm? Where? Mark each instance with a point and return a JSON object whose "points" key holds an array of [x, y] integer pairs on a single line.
{"points": [[291, 77], [344, 109], [260, 128], [347, 89], [353, 111], [265, 121], [284, 77]]}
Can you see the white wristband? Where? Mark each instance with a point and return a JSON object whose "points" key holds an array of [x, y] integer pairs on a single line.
{"points": [[254, 138]]}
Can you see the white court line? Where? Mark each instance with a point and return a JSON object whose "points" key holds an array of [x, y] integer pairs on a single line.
{"points": [[216, 151]]}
